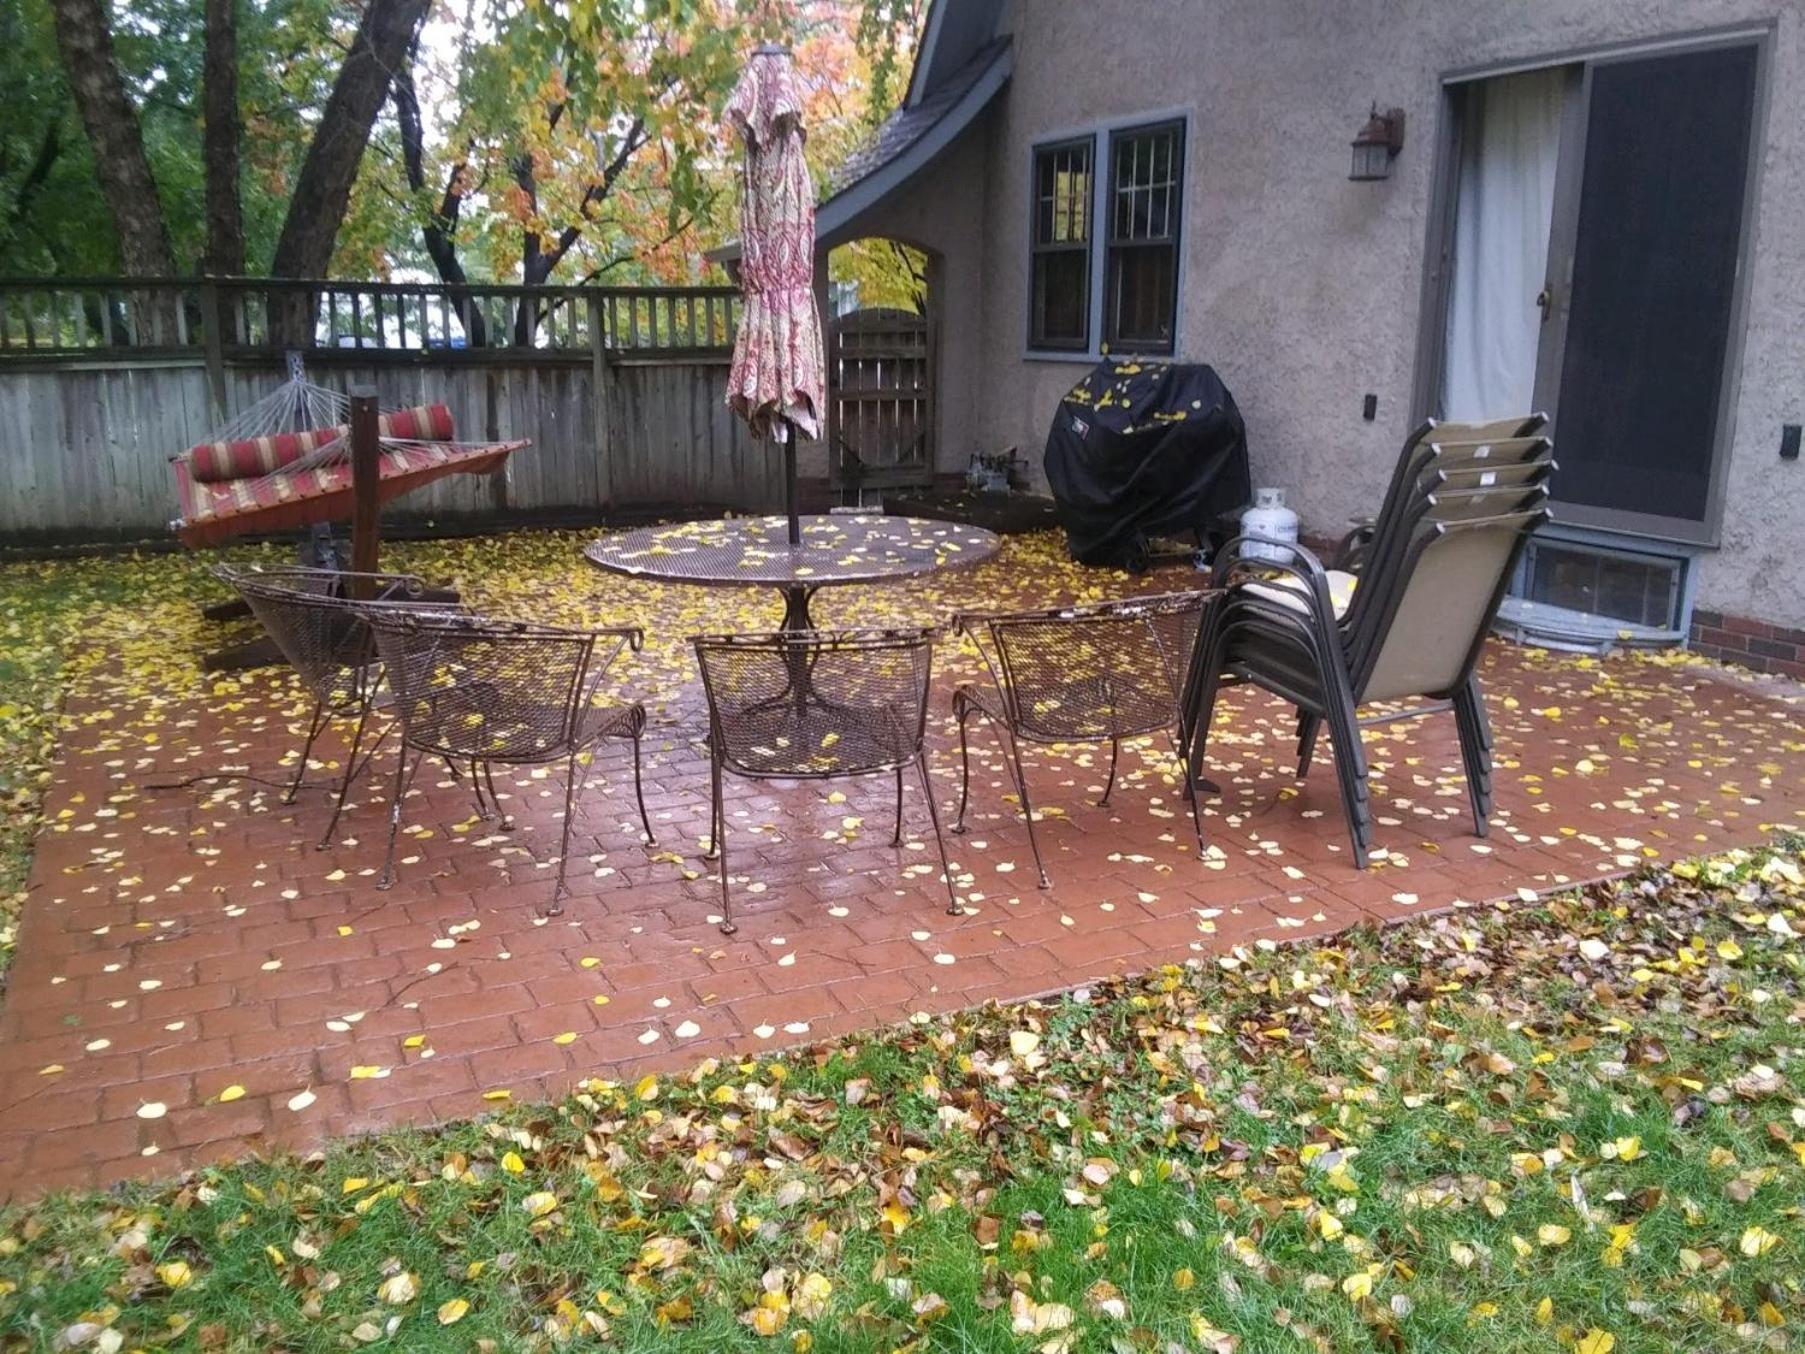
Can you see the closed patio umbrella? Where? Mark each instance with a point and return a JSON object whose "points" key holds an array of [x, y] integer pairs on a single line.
{"points": [[778, 375]]}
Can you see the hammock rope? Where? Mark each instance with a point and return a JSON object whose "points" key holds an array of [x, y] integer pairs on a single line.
{"points": [[297, 405], [214, 507]]}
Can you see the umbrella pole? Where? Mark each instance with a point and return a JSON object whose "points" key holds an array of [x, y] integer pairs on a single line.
{"points": [[789, 479], [366, 476]]}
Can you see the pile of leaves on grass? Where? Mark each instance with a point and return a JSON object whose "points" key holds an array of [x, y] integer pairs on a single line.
{"points": [[1569, 1124]]}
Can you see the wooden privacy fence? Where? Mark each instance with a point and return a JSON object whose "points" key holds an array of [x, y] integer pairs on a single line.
{"points": [[621, 390]]}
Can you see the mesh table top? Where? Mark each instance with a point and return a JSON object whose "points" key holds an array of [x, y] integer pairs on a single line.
{"points": [[835, 548]]}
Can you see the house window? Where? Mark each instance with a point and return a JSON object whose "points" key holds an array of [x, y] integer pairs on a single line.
{"points": [[1141, 267], [1060, 309], [1104, 240]]}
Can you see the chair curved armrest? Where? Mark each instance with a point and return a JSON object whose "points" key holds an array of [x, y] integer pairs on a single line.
{"points": [[1232, 568], [635, 635], [1350, 551]]}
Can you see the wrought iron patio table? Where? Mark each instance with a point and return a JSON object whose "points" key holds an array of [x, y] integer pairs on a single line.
{"points": [[836, 549]]}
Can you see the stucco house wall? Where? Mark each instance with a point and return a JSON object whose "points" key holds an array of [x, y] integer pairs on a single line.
{"points": [[1304, 289]]}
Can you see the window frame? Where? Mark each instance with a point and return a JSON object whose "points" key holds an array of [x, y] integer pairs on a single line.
{"points": [[1104, 135], [1037, 248], [1173, 238]]}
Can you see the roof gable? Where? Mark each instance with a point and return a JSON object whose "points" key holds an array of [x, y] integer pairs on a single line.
{"points": [[955, 32]]}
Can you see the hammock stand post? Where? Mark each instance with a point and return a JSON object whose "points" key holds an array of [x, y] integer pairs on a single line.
{"points": [[366, 477]]}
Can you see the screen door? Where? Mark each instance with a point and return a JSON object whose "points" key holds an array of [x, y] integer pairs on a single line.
{"points": [[1598, 229]]}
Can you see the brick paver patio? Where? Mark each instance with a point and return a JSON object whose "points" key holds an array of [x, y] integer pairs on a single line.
{"points": [[194, 980]]}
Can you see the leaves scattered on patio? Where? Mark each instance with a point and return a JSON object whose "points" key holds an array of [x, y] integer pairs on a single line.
{"points": [[126, 631], [1574, 1125]]}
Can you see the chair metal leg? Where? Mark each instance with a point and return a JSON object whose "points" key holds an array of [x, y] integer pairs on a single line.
{"points": [[1191, 795], [402, 780], [314, 725], [1308, 727], [1205, 691], [896, 837], [352, 767], [963, 712], [728, 927], [716, 828], [1475, 756], [645, 819], [504, 819], [1021, 788], [946, 868], [571, 790], [483, 811], [1350, 768], [1115, 753]]}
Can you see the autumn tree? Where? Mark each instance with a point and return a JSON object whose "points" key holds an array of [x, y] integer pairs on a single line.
{"points": [[586, 140], [85, 37], [222, 132], [307, 56], [322, 192]]}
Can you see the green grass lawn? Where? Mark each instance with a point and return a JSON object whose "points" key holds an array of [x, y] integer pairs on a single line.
{"points": [[1573, 1124]]}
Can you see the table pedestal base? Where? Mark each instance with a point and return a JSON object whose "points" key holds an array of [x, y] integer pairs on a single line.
{"points": [[795, 608]]}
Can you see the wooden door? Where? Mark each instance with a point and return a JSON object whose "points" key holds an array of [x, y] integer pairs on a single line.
{"points": [[880, 376]]}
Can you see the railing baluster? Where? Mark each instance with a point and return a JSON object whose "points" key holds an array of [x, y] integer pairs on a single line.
{"points": [[53, 316]]}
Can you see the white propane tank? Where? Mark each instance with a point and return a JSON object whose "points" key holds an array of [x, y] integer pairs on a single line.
{"points": [[1271, 519]]}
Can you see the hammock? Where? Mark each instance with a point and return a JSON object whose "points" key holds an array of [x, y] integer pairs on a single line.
{"points": [[285, 463]]}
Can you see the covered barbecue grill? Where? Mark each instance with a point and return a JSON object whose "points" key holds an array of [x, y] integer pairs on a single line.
{"points": [[1145, 449]]}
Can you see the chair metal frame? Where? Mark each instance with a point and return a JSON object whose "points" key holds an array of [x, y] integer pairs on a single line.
{"points": [[410, 642], [993, 634], [800, 653], [274, 595], [1291, 642]]}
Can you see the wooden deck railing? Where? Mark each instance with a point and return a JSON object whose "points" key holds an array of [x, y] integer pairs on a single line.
{"points": [[49, 318]]}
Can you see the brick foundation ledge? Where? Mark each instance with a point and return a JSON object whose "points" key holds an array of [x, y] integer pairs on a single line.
{"points": [[1749, 643]]}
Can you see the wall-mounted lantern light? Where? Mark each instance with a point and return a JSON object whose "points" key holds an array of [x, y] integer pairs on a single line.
{"points": [[1377, 144]]}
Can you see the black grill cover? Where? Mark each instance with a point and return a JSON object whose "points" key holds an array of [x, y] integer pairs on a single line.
{"points": [[1142, 449]]}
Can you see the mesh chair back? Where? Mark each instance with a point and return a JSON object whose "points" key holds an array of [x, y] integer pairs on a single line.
{"points": [[467, 687], [1108, 671], [1446, 594], [818, 703], [318, 631]]}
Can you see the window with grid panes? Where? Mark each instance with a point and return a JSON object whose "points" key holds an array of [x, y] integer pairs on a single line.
{"points": [[1144, 200], [1060, 304]]}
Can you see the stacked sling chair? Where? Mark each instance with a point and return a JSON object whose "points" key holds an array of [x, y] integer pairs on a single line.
{"points": [[1405, 619]]}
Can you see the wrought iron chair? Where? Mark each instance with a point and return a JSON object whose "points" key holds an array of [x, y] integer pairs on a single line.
{"points": [[319, 627], [815, 705], [1113, 670], [473, 689]]}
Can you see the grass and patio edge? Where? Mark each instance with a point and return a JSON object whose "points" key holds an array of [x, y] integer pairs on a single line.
{"points": [[1572, 1122]]}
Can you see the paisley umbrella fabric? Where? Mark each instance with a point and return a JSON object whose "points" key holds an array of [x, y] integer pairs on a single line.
{"points": [[778, 373]]}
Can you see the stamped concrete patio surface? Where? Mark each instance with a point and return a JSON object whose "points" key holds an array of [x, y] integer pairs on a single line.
{"points": [[194, 980]]}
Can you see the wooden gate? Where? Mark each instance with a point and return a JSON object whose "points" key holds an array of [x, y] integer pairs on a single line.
{"points": [[880, 374]]}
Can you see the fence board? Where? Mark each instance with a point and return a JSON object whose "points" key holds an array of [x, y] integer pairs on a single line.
{"points": [[84, 448], [103, 379]]}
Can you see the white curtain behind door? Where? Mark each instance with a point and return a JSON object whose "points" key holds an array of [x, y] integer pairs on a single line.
{"points": [[1510, 143]]}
